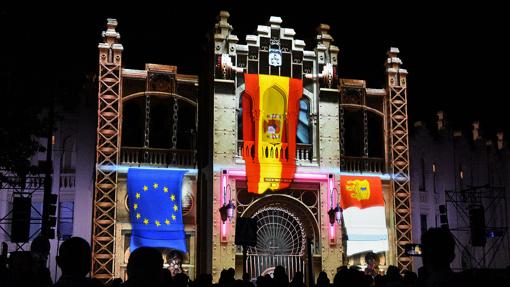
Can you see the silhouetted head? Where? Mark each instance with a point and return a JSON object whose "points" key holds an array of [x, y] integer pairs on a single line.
{"points": [[393, 274], [438, 248], [410, 278], [40, 245], [40, 249], [322, 279], [368, 280], [231, 273], [145, 266], [261, 281], [74, 257], [298, 277], [204, 280], [379, 280], [279, 272], [223, 277], [166, 277], [181, 280]]}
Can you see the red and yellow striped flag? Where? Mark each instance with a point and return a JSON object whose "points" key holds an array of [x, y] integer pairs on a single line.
{"points": [[270, 114]]}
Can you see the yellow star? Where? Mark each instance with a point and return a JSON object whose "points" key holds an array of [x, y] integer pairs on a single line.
{"points": [[157, 223], [155, 185], [145, 221], [172, 197], [138, 215], [145, 188], [174, 218], [167, 222], [135, 206], [137, 195], [165, 189], [175, 207]]}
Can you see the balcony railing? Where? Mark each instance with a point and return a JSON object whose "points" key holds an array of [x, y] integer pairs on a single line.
{"points": [[157, 157], [67, 181], [363, 164], [304, 152]]}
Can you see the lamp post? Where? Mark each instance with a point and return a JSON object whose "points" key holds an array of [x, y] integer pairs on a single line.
{"points": [[227, 210], [335, 214]]}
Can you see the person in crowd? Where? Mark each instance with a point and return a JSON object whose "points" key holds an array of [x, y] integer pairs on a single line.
{"points": [[297, 281], [322, 280], [40, 250], [393, 277], [438, 252], [280, 277], [74, 259], [145, 268], [410, 278], [372, 261]]}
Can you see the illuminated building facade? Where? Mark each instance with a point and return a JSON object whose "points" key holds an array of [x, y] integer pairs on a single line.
{"points": [[155, 117], [342, 128]]}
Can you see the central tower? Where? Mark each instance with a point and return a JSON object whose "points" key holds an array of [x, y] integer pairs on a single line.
{"points": [[269, 148]]}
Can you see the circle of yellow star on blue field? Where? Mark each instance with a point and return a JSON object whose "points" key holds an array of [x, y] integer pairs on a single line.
{"points": [[156, 222]]}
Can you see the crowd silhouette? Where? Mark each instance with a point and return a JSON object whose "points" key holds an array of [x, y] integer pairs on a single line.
{"points": [[145, 268]]}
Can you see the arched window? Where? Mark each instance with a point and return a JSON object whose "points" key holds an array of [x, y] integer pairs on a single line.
{"points": [[303, 128], [161, 114], [273, 111], [303, 133], [375, 135], [160, 122], [133, 118], [354, 133]]}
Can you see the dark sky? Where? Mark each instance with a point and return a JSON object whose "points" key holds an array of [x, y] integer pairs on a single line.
{"points": [[456, 55]]}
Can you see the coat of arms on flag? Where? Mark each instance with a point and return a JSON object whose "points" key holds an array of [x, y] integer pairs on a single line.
{"points": [[362, 202], [270, 116], [154, 199]]}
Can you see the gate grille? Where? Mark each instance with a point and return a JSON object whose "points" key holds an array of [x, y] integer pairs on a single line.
{"points": [[280, 241], [261, 264]]}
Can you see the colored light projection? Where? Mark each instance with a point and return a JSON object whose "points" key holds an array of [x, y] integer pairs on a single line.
{"points": [[270, 114]]}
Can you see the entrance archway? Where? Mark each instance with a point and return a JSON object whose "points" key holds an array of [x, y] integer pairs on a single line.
{"points": [[283, 226], [280, 241]]}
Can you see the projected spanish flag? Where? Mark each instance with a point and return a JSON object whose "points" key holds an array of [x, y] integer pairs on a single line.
{"points": [[362, 202], [270, 113]]}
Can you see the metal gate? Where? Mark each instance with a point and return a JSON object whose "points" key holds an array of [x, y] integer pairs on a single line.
{"points": [[280, 241], [261, 264]]}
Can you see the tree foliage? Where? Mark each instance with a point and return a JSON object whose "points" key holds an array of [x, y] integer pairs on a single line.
{"points": [[20, 126]]}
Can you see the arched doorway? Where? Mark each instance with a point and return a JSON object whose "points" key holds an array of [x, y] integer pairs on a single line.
{"points": [[281, 240], [283, 225]]}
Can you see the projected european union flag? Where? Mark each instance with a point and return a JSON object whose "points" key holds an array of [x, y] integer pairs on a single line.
{"points": [[154, 198]]}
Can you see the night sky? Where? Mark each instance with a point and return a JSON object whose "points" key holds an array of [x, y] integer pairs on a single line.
{"points": [[457, 56]]}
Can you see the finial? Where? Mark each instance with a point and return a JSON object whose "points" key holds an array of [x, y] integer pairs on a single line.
{"points": [[275, 21], [223, 27], [111, 36]]}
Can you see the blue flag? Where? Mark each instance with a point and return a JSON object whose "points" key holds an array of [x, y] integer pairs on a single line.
{"points": [[154, 198]]}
